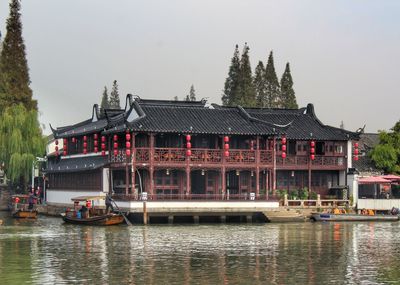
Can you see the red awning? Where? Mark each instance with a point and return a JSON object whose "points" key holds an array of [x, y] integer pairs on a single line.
{"points": [[373, 180], [392, 177]]}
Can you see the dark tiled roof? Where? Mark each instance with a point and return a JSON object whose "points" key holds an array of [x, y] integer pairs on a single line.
{"points": [[193, 119], [83, 128], [368, 141], [365, 164], [76, 164]]}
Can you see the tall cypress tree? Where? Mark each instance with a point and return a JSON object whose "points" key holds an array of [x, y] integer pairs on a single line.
{"points": [[259, 84], [14, 72], [272, 90], [192, 93], [247, 93], [232, 81], [114, 102], [104, 100], [288, 96]]}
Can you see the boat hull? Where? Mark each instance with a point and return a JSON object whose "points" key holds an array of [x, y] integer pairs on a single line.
{"points": [[103, 220], [25, 214], [326, 217]]}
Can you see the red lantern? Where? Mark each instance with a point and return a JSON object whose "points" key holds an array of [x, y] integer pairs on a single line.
{"points": [[115, 152], [226, 153], [128, 136], [65, 153], [356, 145], [84, 138], [96, 149], [356, 157], [85, 145], [56, 142], [103, 153], [312, 143], [115, 138], [74, 140], [84, 151], [189, 145], [128, 152], [96, 143], [312, 157], [103, 146], [188, 138], [115, 145], [64, 141], [188, 152], [283, 154], [283, 147], [95, 136], [283, 140], [312, 150], [226, 146], [56, 148], [103, 139], [128, 144], [57, 154], [226, 139], [356, 151], [88, 204]]}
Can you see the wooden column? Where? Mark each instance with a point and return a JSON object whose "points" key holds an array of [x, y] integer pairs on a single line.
{"points": [[258, 167], [266, 184], [273, 176], [223, 182], [309, 173], [151, 168], [126, 176], [133, 169], [188, 190]]}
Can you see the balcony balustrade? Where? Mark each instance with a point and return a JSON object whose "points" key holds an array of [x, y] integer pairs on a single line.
{"points": [[236, 157]]}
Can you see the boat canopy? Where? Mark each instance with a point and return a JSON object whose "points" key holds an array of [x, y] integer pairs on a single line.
{"points": [[85, 198]]}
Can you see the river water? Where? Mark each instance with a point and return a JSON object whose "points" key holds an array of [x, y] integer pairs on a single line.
{"points": [[47, 251]]}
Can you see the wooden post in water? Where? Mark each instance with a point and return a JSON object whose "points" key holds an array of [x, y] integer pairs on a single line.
{"points": [[144, 213]]}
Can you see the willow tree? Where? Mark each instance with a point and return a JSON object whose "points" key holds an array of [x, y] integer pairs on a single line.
{"points": [[21, 140]]}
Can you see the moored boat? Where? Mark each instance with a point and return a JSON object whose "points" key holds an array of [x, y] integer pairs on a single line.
{"points": [[21, 209], [91, 215], [326, 217]]}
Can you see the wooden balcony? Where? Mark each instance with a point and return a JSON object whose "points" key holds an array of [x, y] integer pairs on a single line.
{"points": [[321, 162], [236, 158]]}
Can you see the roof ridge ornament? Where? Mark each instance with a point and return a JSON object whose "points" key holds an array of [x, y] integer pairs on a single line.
{"points": [[247, 116], [95, 113]]}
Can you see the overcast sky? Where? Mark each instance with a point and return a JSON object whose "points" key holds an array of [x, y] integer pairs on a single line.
{"points": [[344, 55]]}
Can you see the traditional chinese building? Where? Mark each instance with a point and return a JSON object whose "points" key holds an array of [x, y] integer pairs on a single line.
{"points": [[195, 150]]}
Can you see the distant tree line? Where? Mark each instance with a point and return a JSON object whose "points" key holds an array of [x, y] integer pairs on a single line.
{"points": [[262, 89], [21, 138]]}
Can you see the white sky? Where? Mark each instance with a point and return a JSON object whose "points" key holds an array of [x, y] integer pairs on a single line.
{"points": [[344, 55]]}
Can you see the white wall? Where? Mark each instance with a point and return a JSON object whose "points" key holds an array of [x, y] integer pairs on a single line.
{"points": [[352, 182], [65, 196], [349, 154], [106, 181], [378, 204]]}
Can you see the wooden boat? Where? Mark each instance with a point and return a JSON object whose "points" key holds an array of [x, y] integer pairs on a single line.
{"points": [[326, 217], [97, 220], [93, 215], [20, 207]]}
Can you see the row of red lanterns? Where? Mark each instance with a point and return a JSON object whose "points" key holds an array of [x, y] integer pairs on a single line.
{"points": [[188, 145], [128, 144], [283, 141], [312, 150], [356, 151], [226, 146]]}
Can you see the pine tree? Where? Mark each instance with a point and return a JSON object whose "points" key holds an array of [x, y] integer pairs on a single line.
{"points": [[192, 93], [272, 90], [114, 102], [14, 72], [104, 100], [288, 97], [247, 94], [176, 98], [232, 81], [259, 84]]}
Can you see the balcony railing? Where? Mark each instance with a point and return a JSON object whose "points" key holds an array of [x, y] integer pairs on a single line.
{"points": [[236, 157], [196, 197]]}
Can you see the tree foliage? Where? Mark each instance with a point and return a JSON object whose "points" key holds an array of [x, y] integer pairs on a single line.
{"points": [[231, 86], [246, 91], [114, 102], [14, 72], [386, 154], [192, 94], [272, 88], [288, 97], [259, 84], [104, 100], [21, 141]]}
